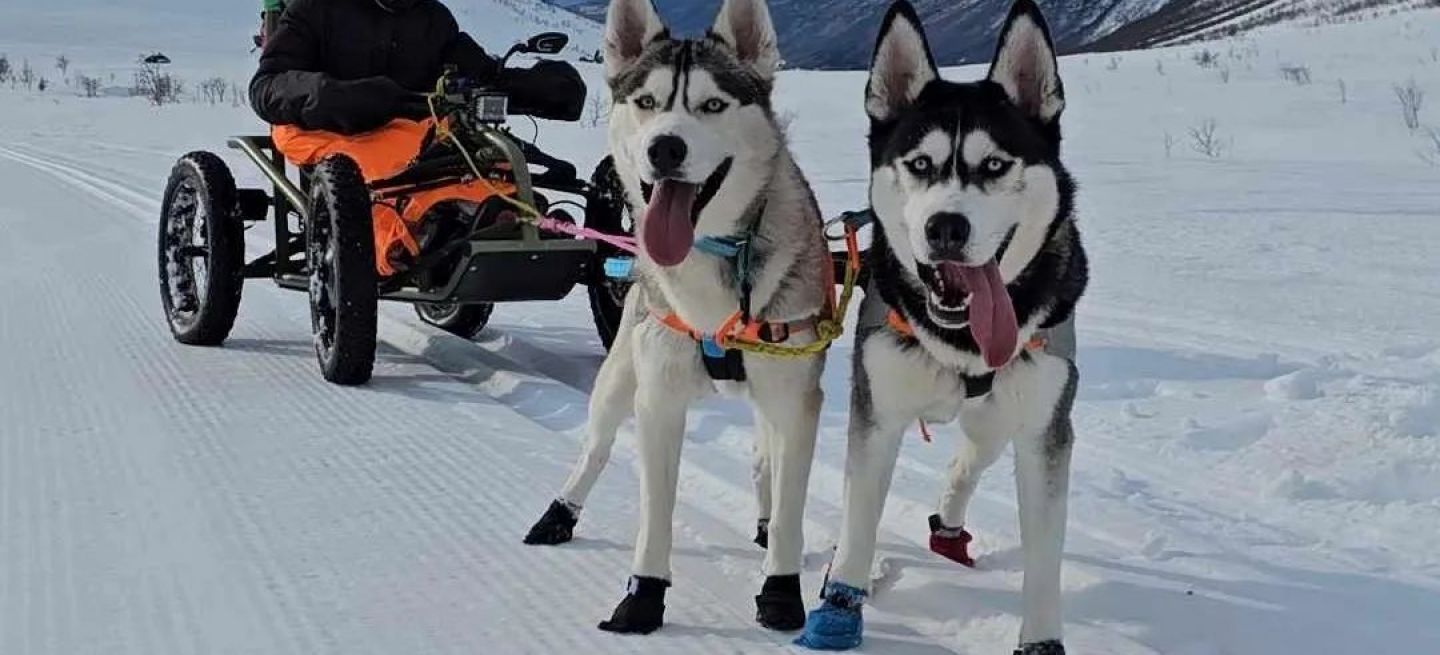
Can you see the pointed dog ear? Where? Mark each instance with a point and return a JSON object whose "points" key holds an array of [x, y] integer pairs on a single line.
{"points": [[746, 26], [1025, 64], [903, 65], [630, 25]]}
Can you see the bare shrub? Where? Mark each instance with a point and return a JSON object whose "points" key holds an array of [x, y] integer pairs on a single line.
{"points": [[1412, 99], [90, 86], [213, 90], [1225, 74], [5, 70], [156, 85], [62, 64], [1300, 75], [1344, 92], [1169, 144], [595, 112], [1205, 139], [26, 76], [1430, 146], [237, 95], [1206, 58]]}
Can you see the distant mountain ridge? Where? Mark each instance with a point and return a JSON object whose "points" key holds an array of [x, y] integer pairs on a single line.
{"points": [[838, 34]]}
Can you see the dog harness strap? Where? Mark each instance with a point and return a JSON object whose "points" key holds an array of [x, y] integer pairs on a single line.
{"points": [[901, 326], [722, 361], [976, 386]]}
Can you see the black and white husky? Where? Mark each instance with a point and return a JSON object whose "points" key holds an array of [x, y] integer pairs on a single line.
{"points": [[975, 254], [698, 148]]}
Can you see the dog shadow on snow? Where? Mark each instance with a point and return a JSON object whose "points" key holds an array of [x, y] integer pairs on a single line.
{"points": [[1274, 608]]}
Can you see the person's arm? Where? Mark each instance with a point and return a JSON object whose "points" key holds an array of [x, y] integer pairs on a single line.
{"points": [[468, 58], [290, 88]]}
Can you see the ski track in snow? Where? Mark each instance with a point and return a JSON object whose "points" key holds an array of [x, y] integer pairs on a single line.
{"points": [[1269, 484]]}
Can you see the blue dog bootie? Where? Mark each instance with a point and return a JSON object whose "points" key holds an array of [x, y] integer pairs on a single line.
{"points": [[838, 624]]}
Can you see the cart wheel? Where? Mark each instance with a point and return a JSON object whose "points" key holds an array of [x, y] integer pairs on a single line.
{"points": [[464, 321], [606, 211], [202, 251], [340, 255]]}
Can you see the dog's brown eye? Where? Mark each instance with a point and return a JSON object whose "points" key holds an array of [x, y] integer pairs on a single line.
{"points": [[646, 103], [995, 166], [714, 106], [921, 166]]}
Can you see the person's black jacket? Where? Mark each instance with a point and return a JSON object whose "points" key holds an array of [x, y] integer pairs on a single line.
{"points": [[350, 66]]}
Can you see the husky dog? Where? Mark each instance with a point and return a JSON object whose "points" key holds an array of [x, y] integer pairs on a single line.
{"points": [[976, 253], [699, 151]]}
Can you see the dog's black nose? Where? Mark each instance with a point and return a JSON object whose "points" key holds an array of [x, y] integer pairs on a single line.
{"points": [[667, 154], [948, 235]]}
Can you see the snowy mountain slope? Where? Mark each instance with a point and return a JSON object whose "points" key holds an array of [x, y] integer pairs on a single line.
{"points": [[1258, 425], [1184, 21], [832, 34], [212, 39]]}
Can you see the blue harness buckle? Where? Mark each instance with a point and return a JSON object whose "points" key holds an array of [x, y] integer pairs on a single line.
{"points": [[620, 268]]}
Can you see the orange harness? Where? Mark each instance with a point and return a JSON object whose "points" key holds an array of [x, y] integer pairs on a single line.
{"points": [[736, 330], [902, 327], [741, 333]]}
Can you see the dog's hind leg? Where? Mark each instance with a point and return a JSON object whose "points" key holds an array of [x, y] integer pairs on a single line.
{"points": [[611, 402], [787, 400], [760, 472], [1042, 471], [981, 446]]}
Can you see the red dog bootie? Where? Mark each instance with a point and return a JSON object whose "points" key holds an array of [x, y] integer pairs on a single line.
{"points": [[951, 543]]}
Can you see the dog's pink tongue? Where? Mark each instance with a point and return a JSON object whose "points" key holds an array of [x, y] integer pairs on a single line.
{"points": [[992, 315], [669, 232]]}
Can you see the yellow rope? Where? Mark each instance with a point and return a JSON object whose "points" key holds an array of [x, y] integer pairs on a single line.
{"points": [[827, 331]]}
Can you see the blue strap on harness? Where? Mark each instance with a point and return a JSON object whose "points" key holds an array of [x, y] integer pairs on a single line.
{"points": [[722, 247], [711, 347]]}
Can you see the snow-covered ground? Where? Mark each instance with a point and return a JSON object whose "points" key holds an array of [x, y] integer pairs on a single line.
{"points": [[1258, 466]]}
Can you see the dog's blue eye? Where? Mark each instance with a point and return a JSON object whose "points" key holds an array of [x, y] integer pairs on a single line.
{"points": [[646, 103], [995, 166], [921, 166], [714, 106]]}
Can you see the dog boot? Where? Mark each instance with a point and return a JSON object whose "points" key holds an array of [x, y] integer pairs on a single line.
{"points": [[762, 534], [643, 610], [779, 605], [556, 526], [1042, 648], [951, 543], [839, 623]]}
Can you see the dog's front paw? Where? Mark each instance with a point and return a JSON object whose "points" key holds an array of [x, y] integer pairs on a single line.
{"points": [[643, 610], [762, 533], [1042, 648], [555, 527], [839, 623], [779, 606], [951, 543]]}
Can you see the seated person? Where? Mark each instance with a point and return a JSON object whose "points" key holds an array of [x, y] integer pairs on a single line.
{"points": [[345, 76]]}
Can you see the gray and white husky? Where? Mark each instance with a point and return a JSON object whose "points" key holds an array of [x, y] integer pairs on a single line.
{"points": [[700, 154], [976, 253]]}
